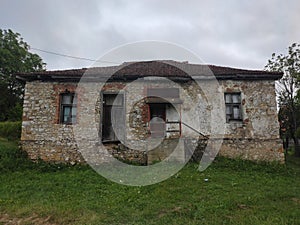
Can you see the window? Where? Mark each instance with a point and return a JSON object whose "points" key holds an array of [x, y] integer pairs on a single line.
{"points": [[164, 119], [68, 108], [233, 106]]}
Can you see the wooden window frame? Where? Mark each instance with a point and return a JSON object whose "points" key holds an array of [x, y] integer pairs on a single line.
{"points": [[232, 105], [72, 105]]}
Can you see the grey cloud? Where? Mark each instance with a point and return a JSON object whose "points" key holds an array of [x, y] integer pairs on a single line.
{"points": [[233, 33]]}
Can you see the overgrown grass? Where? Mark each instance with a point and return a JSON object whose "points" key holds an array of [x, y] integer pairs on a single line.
{"points": [[236, 192]]}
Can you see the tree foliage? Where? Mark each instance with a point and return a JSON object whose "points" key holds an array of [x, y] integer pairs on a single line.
{"points": [[288, 92], [14, 58]]}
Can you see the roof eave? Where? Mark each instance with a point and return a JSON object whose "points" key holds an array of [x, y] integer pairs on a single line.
{"points": [[77, 78]]}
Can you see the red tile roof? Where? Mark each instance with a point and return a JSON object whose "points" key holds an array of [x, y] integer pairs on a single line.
{"points": [[136, 70]]}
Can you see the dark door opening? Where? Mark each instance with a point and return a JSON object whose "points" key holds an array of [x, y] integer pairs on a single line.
{"points": [[157, 120], [113, 117]]}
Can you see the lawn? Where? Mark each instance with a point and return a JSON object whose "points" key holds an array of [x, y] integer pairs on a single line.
{"points": [[236, 192]]}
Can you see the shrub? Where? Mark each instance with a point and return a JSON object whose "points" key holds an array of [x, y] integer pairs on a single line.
{"points": [[297, 134], [11, 130]]}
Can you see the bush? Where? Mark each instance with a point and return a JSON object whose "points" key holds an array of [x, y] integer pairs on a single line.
{"points": [[11, 130], [297, 134], [11, 157], [15, 114]]}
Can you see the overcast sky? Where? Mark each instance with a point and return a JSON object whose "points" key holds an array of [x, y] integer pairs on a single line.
{"points": [[233, 33]]}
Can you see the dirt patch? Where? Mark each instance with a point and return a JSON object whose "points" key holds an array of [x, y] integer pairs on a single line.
{"points": [[177, 209], [296, 200], [34, 219]]}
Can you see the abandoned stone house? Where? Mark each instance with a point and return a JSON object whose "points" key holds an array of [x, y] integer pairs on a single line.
{"points": [[161, 99]]}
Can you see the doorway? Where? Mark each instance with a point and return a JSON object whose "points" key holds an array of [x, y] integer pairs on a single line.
{"points": [[113, 121], [157, 120]]}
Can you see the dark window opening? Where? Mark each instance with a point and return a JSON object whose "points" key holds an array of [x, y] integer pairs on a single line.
{"points": [[68, 108], [233, 106]]}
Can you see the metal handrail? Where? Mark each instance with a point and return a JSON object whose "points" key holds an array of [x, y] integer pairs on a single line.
{"points": [[205, 136]]}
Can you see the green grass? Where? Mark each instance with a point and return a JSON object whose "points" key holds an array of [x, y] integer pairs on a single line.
{"points": [[237, 192]]}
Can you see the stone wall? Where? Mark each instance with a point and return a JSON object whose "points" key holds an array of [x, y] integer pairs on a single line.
{"points": [[253, 149], [254, 138], [127, 155], [257, 136], [42, 135], [259, 110]]}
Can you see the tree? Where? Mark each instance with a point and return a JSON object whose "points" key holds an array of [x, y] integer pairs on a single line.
{"points": [[287, 91], [14, 58]]}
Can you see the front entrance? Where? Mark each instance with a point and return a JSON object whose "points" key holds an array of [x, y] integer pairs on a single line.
{"points": [[113, 121], [157, 120]]}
